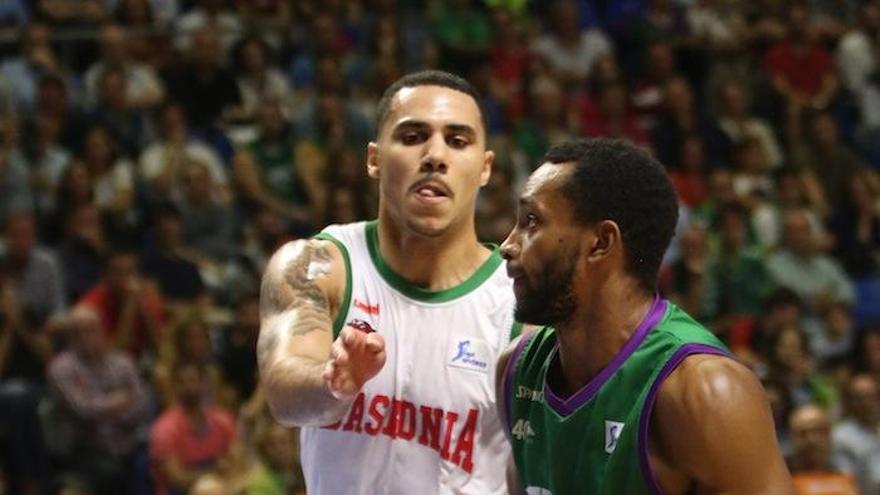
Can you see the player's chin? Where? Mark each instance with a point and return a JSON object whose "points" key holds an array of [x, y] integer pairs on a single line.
{"points": [[429, 225]]}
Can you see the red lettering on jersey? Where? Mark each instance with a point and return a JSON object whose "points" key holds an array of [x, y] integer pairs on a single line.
{"points": [[406, 420], [451, 418], [431, 420], [334, 426], [371, 309], [465, 443], [356, 415], [378, 416], [393, 419]]}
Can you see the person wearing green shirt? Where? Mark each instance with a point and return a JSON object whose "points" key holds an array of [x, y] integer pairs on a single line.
{"points": [[619, 392]]}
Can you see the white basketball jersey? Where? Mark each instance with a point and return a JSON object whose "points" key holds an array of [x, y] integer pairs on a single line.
{"points": [[427, 423]]}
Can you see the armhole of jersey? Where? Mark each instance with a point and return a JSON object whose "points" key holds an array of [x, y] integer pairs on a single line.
{"points": [[510, 374], [645, 416], [346, 299]]}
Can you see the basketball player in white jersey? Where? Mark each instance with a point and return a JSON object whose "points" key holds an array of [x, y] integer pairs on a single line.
{"points": [[380, 338]]}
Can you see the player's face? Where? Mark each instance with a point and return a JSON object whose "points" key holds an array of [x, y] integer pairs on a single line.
{"points": [[543, 248], [430, 159]]}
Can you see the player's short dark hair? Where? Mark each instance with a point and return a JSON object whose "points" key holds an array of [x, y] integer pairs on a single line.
{"points": [[616, 181], [425, 78]]}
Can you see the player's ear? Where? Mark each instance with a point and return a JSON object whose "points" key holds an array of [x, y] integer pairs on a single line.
{"points": [[488, 161], [373, 160], [606, 238]]}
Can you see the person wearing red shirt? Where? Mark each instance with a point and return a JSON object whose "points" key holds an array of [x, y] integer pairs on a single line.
{"points": [[189, 438], [130, 308]]}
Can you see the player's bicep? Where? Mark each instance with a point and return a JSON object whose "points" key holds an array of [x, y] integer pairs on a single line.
{"points": [[713, 423], [299, 297]]}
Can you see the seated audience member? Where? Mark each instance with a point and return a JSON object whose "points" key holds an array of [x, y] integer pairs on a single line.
{"points": [[130, 307], [101, 403], [815, 277], [166, 259], [857, 437], [189, 437], [814, 470]]}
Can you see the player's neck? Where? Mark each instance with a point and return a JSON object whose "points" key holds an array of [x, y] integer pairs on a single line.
{"points": [[433, 263], [599, 329]]}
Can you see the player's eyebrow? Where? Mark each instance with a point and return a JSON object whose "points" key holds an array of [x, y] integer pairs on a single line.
{"points": [[420, 125], [461, 129]]}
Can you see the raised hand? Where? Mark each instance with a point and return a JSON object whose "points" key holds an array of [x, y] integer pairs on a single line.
{"points": [[355, 357]]}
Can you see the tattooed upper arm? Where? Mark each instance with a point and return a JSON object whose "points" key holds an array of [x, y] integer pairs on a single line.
{"points": [[300, 294]]}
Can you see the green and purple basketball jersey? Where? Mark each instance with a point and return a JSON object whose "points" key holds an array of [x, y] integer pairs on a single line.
{"points": [[595, 442]]}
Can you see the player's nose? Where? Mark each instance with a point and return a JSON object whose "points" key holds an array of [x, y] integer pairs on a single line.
{"points": [[434, 154]]}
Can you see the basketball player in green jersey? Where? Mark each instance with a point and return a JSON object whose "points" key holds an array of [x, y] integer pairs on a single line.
{"points": [[620, 392]]}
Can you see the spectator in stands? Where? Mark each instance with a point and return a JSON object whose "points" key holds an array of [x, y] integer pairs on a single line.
{"points": [[207, 15], [800, 68], [258, 78], [815, 277], [200, 84], [569, 51], [832, 337], [82, 250], [238, 353], [166, 260], [54, 104], [25, 350], [189, 437], [789, 363], [751, 177], [814, 470], [112, 179], [130, 308], [141, 85], [737, 279], [209, 224], [268, 174], [856, 227], [188, 340], [689, 177], [738, 124], [15, 184], [648, 93], [161, 165], [127, 124], [46, 159], [548, 121], [35, 60], [857, 436], [681, 116], [101, 403], [33, 270], [825, 160], [610, 115]]}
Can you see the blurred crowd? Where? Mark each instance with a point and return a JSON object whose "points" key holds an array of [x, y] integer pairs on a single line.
{"points": [[154, 153]]}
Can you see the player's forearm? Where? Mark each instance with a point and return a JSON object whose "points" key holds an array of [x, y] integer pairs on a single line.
{"points": [[298, 395]]}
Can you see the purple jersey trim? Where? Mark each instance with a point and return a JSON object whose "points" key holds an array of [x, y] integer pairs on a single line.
{"points": [[509, 372], [564, 407], [645, 417]]}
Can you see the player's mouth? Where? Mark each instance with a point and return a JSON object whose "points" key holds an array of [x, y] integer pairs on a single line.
{"points": [[431, 191]]}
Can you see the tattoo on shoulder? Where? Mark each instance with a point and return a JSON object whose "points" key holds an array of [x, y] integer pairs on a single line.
{"points": [[293, 287]]}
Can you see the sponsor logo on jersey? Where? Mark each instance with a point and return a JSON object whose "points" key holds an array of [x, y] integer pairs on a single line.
{"points": [[529, 394], [471, 354], [361, 325], [612, 434], [537, 490], [450, 434], [370, 309]]}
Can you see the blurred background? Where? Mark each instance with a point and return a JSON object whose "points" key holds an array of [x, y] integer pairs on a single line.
{"points": [[154, 153]]}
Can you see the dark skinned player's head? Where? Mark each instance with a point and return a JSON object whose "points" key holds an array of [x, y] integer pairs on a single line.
{"points": [[597, 211]]}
